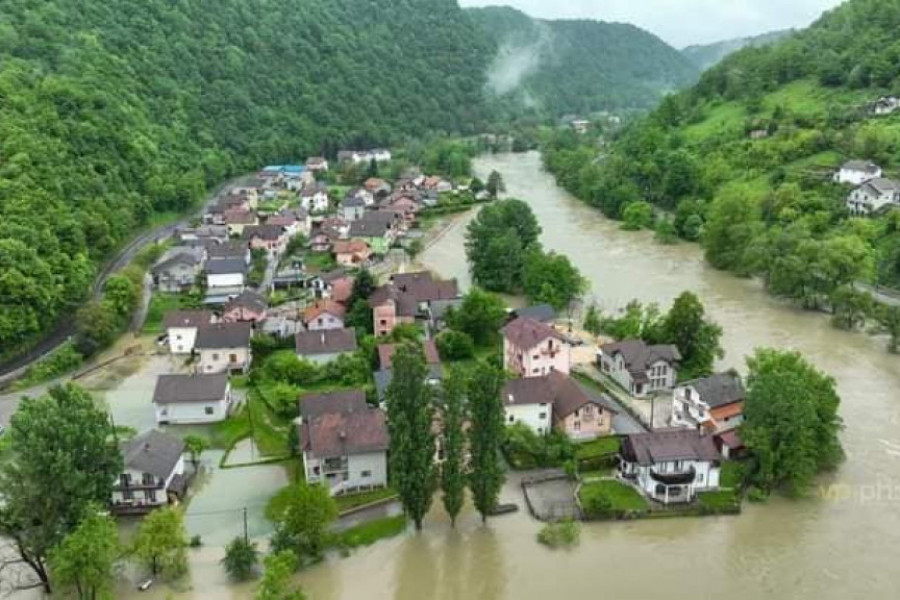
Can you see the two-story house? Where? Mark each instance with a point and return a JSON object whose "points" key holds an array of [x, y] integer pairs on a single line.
{"points": [[639, 368], [178, 269], [153, 475], [406, 297], [180, 399], [353, 207], [344, 442], [532, 348], [857, 172], [181, 328], [225, 279], [224, 347], [237, 219], [247, 306], [714, 403], [314, 197], [671, 465], [324, 314], [270, 238], [351, 253], [874, 195]]}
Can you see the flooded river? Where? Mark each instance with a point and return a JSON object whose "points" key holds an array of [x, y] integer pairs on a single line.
{"points": [[841, 543]]}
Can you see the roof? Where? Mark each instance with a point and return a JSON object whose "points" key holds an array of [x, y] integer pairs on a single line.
{"points": [[187, 318], [266, 232], [322, 307], [731, 439], [639, 356], [247, 299], [240, 217], [152, 452], [883, 186], [563, 392], [182, 257], [232, 249], [539, 312], [224, 266], [224, 335], [384, 377], [176, 388], [353, 200], [386, 353], [719, 389], [669, 445], [860, 165], [350, 247], [329, 341], [313, 161], [372, 224], [374, 183], [528, 333], [340, 424]]}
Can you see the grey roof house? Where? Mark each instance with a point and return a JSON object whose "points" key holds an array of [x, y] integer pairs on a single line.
{"points": [[640, 368], [153, 473], [181, 399], [325, 345]]}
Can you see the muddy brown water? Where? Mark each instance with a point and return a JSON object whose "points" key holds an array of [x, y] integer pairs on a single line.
{"points": [[843, 542]]}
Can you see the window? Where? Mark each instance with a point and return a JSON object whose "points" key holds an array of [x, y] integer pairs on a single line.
{"points": [[215, 356], [209, 410], [233, 358], [699, 477], [512, 419], [577, 425], [365, 474], [384, 322], [178, 337], [542, 416], [147, 479], [124, 479]]}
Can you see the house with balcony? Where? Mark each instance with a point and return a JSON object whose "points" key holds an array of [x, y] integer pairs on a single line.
{"points": [[314, 197], [639, 368], [534, 349], [714, 403], [153, 475], [670, 466], [344, 442], [224, 347], [873, 196]]}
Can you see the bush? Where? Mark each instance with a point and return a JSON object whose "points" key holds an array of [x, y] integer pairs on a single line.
{"points": [[524, 449], [241, 559], [611, 500], [564, 534], [60, 362], [196, 541], [455, 345]]}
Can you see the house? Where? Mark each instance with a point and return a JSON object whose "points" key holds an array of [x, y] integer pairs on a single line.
{"points": [[181, 328], [237, 219], [759, 134], [344, 442], [293, 221], [406, 297], [153, 474], [323, 238], [404, 205], [543, 313], [385, 374], [192, 399], [873, 196], [316, 164], [376, 228], [367, 197], [289, 277], [282, 326], [314, 197], [270, 238], [714, 403], [532, 348], [857, 172], [224, 347], [335, 285], [232, 249], [324, 314], [437, 184], [581, 126], [558, 401], [247, 306], [386, 353], [885, 105], [177, 270], [325, 345], [353, 208], [438, 310], [671, 465], [640, 369], [352, 253], [377, 187], [224, 279]]}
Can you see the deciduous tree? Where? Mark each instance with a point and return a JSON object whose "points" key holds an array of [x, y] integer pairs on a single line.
{"points": [[241, 559], [161, 541], [83, 563], [276, 583], [304, 518]]}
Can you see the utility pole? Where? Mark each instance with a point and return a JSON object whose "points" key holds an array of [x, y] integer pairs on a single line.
{"points": [[246, 537]]}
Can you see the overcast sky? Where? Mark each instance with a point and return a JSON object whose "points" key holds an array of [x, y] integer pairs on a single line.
{"points": [[681, 22]]}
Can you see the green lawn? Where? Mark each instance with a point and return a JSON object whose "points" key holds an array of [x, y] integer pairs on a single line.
{"points": [[724, 119], [351, 501], [162, 303], [269, 431], [367, 534], [719, 502], [623, 498], [319, 261], [602, 446]]}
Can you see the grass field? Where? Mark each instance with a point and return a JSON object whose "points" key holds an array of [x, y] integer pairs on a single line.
{"points": [[623, 498], [160, 304], [603, 446], [367, 534]]}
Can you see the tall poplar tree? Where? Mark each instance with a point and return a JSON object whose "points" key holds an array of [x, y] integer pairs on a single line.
{"points": [[410, 416], [485, 434], [453, 482]]}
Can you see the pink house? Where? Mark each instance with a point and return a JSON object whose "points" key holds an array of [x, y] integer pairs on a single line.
{"points": [[406, 297], [246, 307], [270, 238], [323, 315], [532, 349]]}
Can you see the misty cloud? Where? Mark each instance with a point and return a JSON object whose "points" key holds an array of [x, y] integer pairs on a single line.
{"points": [[515, 61], [681, 22]]}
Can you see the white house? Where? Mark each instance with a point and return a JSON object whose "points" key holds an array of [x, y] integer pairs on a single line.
{"points": [[886, 105], [344, 442], [522, 406], [229, 273], [181, 328], [153, 474], [353, 208], [224, 347], [640, 369], [671, 465], [314, 197], [178, 269], [316, 163], [714, 403], [192, 399], [324, 346], [874, 195], [324, 314], [532, 348], [857, 172]]}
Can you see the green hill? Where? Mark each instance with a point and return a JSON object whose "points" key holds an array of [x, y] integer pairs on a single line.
{"points": [[579, 66], [705, 56], [744, 158], [113, 110]]}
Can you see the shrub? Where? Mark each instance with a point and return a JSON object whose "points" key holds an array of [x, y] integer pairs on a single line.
{"points": [[196, 541], [525, 449], [455, 345], [564, 534], [241, 559]]}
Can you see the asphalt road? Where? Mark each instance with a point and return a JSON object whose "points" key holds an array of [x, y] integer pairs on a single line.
{"points": [[65, 328]]}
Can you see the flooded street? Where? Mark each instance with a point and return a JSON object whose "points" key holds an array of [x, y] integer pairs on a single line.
{"points": [[841, 543]]}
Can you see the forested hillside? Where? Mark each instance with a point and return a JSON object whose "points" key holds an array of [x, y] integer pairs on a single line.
{"points": [[705, 56], [579, 66], [744, 161], [113, 110]]}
